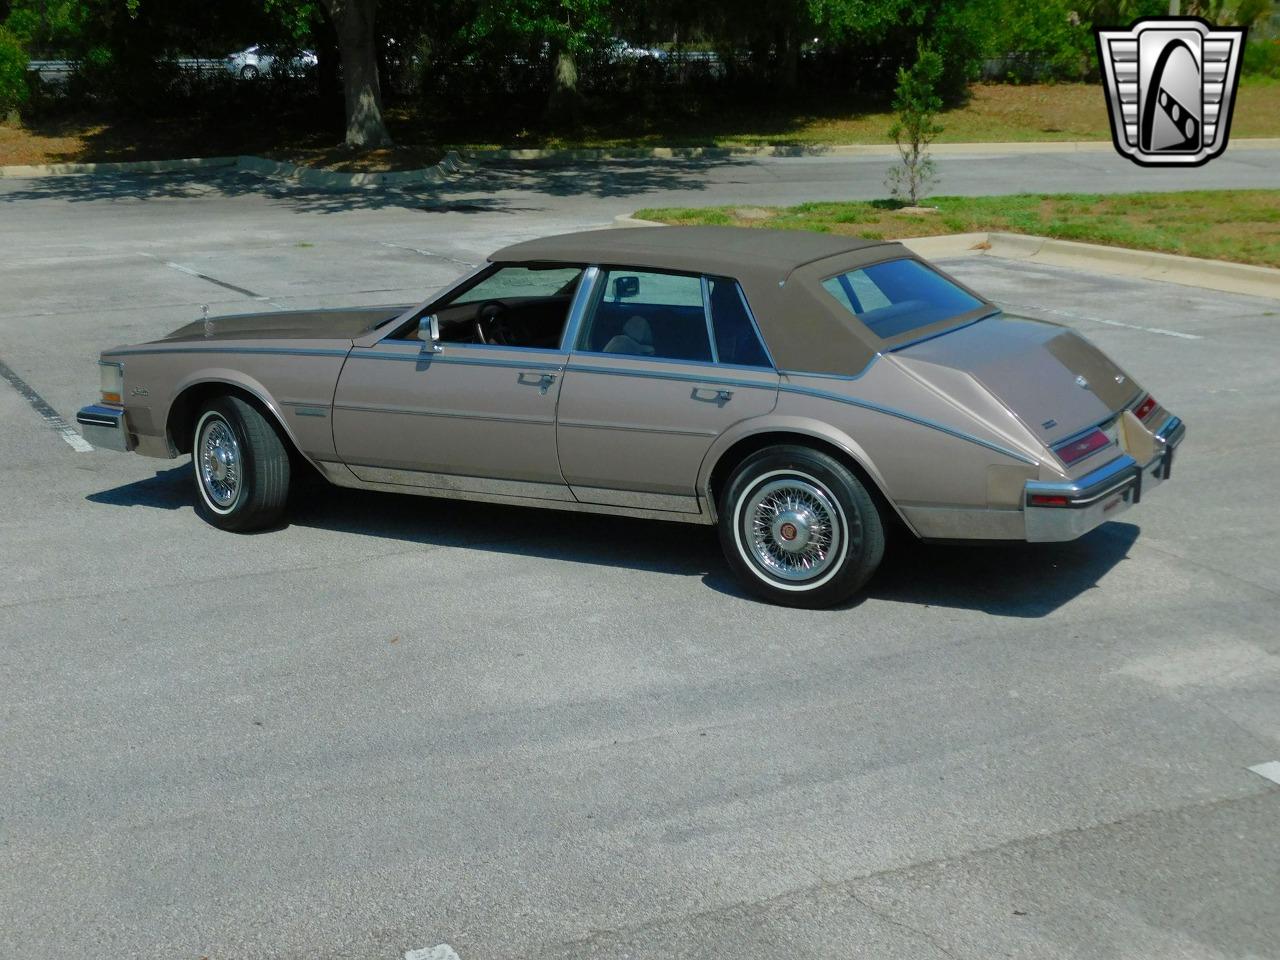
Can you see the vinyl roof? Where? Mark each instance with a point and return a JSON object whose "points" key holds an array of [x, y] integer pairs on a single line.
{"points": [[728, 251]]}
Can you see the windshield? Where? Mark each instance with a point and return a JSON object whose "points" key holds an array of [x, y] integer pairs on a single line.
{"points": [[899, 296]]}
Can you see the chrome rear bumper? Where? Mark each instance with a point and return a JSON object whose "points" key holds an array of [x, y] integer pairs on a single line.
{"points": [[1064, 511], [105, 427]]}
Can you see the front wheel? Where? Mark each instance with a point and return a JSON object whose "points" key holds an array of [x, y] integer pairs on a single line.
{"points": [[798, 527], [241, 466]]}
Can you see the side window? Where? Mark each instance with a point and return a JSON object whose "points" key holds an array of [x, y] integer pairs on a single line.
{"points": [[514, 306], [736, 338], [648, 314]]}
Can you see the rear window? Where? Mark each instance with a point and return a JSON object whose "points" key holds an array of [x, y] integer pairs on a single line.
{"points": [[899, 296]]}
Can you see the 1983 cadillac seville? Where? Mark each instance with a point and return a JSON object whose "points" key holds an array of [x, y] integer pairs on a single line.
{"points": [[800, 391]]}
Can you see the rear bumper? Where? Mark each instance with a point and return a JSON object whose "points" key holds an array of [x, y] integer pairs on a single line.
{"points": [[1064, 511], [105, 427]]}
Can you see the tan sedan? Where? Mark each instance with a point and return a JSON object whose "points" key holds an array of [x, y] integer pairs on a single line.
{"points": [[801, 391]]}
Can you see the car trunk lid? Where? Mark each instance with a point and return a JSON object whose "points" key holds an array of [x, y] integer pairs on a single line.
{"points": [[1054, 380]]}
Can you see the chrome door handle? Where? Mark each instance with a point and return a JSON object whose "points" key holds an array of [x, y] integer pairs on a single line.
{"points": [[710, 395], [542, 381]]}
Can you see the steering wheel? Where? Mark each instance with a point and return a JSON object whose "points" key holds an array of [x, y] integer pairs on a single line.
{"points": [[491, 314]]}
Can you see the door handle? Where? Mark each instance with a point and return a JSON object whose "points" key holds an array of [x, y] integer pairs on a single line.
{"points": [[542, 381], [712, 395]]}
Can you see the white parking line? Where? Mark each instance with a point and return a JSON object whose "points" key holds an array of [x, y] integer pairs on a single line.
{"points": [[50, 416], [1110, 323], [427, 253], [1270, 770], [441, 951]]}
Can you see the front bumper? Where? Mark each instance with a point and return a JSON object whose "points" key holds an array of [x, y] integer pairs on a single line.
{"points": [[1080, 505], [105, 427]]}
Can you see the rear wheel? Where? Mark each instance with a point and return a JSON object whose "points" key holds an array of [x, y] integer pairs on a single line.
{"points": [[249, 72], [798, 527], [241, 466]]}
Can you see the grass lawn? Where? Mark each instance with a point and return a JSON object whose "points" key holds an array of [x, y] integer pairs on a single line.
{"points": [[1238, 225], [994, 112]]}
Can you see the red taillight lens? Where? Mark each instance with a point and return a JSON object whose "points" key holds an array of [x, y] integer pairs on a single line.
{"points": [[1078, 449], [1143, 410], [1044, 500]]}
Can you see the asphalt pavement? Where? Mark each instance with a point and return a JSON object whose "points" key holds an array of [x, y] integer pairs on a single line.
{"points": [[398, 723]]}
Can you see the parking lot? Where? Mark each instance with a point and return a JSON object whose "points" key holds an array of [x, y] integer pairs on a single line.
{"points": [[401, 722]]}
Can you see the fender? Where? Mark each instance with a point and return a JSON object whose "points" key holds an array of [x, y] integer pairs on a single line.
{"points": [[801, 427], [243, 381]]}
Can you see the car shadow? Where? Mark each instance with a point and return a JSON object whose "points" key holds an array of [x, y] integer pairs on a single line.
{"points": [[1010, 580]]}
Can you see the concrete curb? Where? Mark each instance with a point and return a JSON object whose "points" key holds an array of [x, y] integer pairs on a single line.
{"points": [[1218, 275], [261, 166], [818, 150]]}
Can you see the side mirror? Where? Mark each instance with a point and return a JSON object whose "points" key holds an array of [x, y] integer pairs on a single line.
{"points": [[626, 287], [429, 333]]}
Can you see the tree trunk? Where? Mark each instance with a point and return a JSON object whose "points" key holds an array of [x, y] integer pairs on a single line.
{"points": [[565, 104], [353, 20]]}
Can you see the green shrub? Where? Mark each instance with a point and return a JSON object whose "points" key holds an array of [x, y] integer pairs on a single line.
{"points": [[1262, 59], [13, 73]]}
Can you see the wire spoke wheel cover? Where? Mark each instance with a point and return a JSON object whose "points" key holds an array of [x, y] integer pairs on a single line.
{"points": [[793, 530], [219, 463]]}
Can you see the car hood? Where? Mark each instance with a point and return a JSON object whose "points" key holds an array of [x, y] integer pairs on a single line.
{"points": [[346, 323], [1054, 380]]}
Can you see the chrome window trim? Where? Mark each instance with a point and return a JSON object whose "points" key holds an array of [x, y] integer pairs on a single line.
{"points": [[746, 368], [910, 418], [706, 315], [942, 333], [578, 308], [657, 375]]}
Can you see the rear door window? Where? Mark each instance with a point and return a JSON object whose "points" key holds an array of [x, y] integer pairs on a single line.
{"points": [[649, 314]]}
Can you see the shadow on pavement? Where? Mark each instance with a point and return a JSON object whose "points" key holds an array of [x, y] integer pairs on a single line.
{"points": [[477, 192], [1014, 580]]}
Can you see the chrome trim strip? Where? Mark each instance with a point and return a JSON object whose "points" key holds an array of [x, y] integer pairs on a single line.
{"points": [[677, 377], [370, 353], [910, 418], [673, 361], [338, 478], [635, 498], [461, 483], [456, 414], [279, 351], [578, 308], [1088, 489], [706, 315], [601, 425]]}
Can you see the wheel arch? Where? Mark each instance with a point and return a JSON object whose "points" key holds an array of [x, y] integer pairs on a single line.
{"points": [[197, 390], [736, 445]]}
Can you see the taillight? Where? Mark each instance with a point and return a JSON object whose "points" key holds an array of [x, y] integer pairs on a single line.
{"points": [[1047, 500], [1080, 448], [1143, 410]]}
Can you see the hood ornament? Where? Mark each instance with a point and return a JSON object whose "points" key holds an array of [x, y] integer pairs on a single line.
{"points": [[1081, 382], [208, 324]]}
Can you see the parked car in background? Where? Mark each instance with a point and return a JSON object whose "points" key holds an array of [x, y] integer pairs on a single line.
{"points": [[801, 391], [258, 60]]}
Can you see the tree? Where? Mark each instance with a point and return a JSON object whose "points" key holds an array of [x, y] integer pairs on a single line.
{"points": [[563, 30], [354, 23], [917, 104]]}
